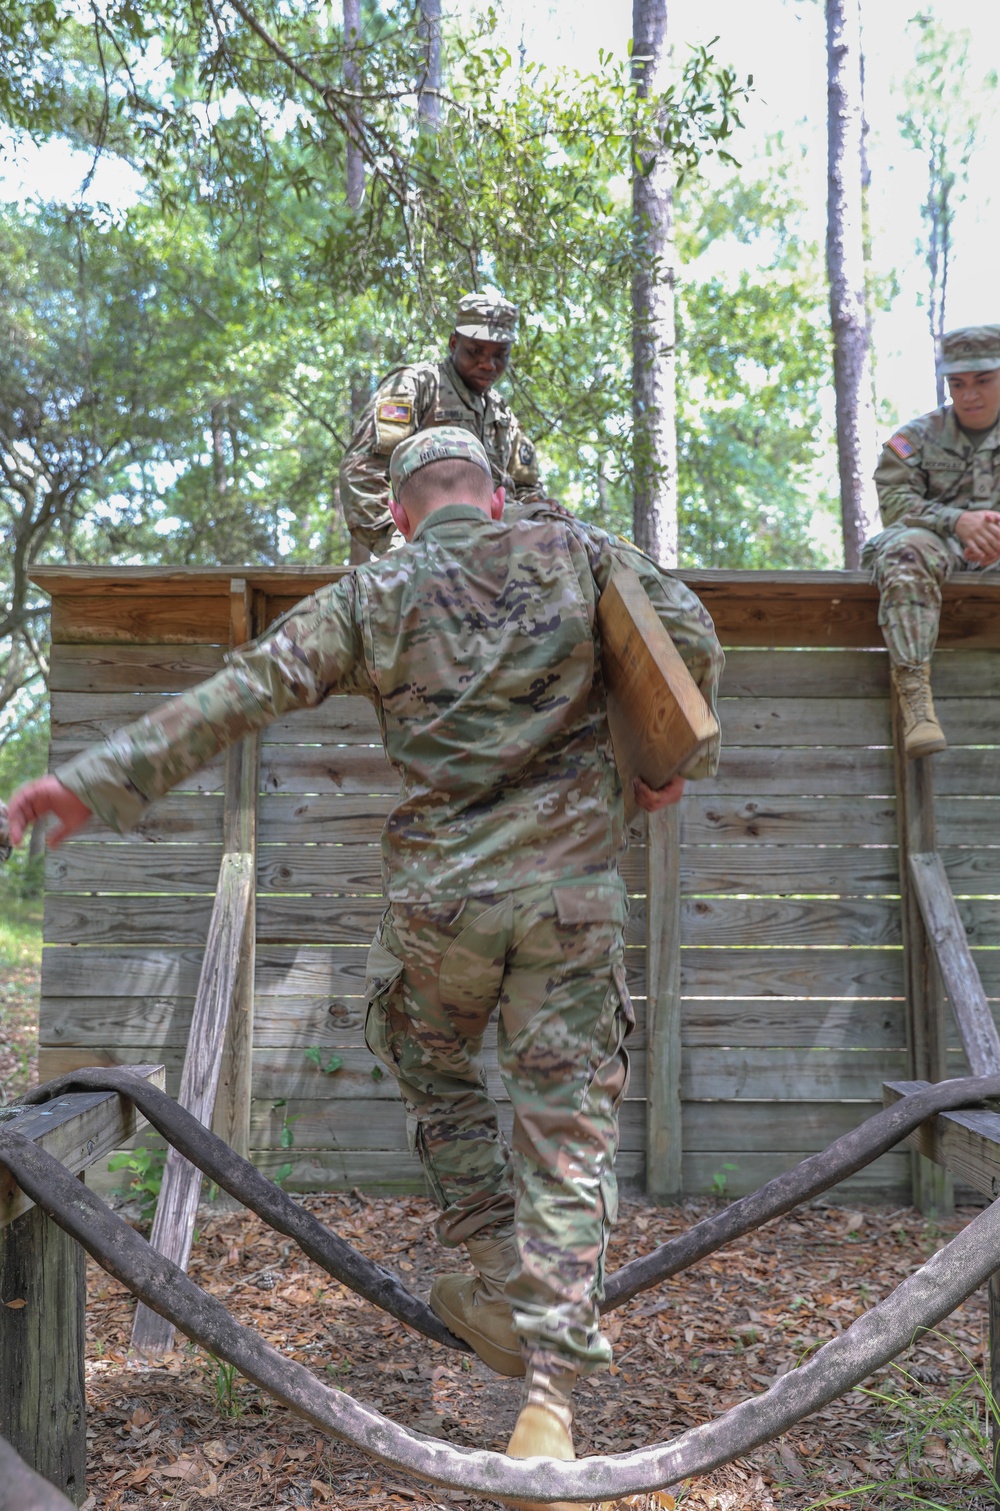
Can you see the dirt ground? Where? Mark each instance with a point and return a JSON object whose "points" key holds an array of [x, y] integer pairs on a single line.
{"points": [[189, 1434]]}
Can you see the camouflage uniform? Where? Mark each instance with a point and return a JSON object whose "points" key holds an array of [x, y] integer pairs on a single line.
{"points": [[476, 644], [425, 394], [929, 473]]}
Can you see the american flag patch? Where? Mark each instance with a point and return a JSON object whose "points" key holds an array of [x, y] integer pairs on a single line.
{"points": [[398, 414], [901, 446]]}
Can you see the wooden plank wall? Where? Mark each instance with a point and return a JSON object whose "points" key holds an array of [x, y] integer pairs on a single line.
{"points": [[792, 1011]]}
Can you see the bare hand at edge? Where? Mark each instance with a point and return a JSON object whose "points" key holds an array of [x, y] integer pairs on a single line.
{"points": [[35, 800], [652, 799]]}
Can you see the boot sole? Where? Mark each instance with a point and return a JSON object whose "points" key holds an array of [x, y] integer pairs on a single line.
{"points": [[502, 1361], [916, 752]]}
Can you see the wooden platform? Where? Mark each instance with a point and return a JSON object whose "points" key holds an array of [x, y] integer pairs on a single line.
{"points": [[785, 974]]}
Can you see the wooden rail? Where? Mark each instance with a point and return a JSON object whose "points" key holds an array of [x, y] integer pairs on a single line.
{"points": [[42, 1288]]}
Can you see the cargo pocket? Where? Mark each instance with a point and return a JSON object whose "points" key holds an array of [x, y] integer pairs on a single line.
{"points": [[382, 977]]}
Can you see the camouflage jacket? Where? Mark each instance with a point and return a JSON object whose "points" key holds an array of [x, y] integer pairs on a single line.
{"points": [[930, 472], [477, 645], [415, 398]]}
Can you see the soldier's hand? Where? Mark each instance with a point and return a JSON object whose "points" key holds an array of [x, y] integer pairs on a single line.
{"points": [[655, 798], [979, 532], [35, 800]]}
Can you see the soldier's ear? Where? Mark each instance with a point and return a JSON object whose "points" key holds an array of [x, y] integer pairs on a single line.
{"points": [[453, 341], [400, 518], [496, 503]]}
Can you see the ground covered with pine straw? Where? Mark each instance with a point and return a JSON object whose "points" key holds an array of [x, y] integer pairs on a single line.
{"points": [[189, 1433]]}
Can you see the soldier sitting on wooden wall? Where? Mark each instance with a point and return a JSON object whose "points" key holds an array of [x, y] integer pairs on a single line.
{"points": [[938, 482]]}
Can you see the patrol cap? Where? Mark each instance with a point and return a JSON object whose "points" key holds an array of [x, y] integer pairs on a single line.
{"points": [[444, 443], [486, 317], [970, 349]]}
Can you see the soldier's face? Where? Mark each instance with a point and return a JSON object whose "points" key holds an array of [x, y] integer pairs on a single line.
{"points": [[976, 397], [478, 363]]}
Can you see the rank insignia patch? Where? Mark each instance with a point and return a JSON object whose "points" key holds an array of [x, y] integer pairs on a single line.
{"points": [[901, 446], [526, 453], [395, 413]]}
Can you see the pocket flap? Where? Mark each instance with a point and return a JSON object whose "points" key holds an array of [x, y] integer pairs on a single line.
{"points": [[595, 904], [381, 970]]}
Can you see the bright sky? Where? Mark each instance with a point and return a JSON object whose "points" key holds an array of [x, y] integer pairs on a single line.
{"points": [[782, 43]]}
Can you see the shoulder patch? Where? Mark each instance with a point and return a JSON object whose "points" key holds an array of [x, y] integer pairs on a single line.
{"points": [[526, 453], [903, 448], [394, 412]]}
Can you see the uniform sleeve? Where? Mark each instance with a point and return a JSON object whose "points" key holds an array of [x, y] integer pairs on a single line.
{"points": [[311, 652], [523, 466], [396, 411], [683, 616], [903, 485]]}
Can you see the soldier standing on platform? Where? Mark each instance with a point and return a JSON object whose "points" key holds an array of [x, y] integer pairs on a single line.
{"points": [[457, 391], [938, 482]]}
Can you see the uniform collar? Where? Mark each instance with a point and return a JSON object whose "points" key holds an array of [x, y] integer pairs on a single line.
{"points": [[450, 514], [956, 439], [463, 389]]}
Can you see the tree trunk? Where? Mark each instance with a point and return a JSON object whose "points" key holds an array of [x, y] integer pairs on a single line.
{"points": [[219, 418], [845, 261], [654, 443], [429, 106], [355, 185]]}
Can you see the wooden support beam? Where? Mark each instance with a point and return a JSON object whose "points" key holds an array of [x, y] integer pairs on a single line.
{"points": [[967, 1142], [663, 1006], [42, 1299], [178, 1202], [21, 1487], [933, 1189], [976, 1027], [231, 1117]]}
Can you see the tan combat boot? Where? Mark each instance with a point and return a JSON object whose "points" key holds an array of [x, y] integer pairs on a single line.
{"points": [[474, 1308], [544, 1427], [922, 734]]}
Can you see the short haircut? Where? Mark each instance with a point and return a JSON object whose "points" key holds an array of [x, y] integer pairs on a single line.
{"points": [[452, 478]]}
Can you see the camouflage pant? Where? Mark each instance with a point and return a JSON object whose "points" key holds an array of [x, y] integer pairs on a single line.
{"points": [[552, 958], [908, 566]]}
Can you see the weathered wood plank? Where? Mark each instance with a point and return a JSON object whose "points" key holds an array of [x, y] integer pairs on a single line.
{"points": [[943, 923], [966, 1143], [180, 817], [210, 778], [131, 668], [98, 618], [173, 1225], [79, 866], [356, 868], [799, 1127], [78, 1130], [743, 1172], [326, 769], [793, 869], [280, 1074], [709, 972], [766, 771], [43, 1403], [832, 1023], [663, 1008], [804, 721], [297, 970], [774, 921], [87, 716], [819, 673], [798, 1075], [789, 820]]}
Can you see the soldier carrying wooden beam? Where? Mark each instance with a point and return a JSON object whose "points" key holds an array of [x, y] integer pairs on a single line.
{"points": [[479, 645]]}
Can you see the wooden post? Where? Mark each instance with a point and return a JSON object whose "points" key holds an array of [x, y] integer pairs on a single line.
{"points": [[663, 1005], [173, 1225], [933, 1187], [959, 973], [231, 1118], [43, 1408]]}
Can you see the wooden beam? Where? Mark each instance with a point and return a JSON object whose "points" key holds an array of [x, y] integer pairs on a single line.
{"points": [[178, 1203], [21, 1487], [943, 924], [78, 1129], [43, 1404], [933, 1188], [663, 1006], [231, 1118], [967, 1142]]}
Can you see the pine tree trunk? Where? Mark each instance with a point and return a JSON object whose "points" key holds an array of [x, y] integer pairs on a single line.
{"points": [[429, 107], [355, 186], [653, 332], [845, 261]]}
